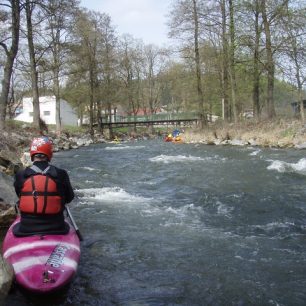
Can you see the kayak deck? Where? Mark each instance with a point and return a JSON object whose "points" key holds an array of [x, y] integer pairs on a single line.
{"points": [[42, 263]]}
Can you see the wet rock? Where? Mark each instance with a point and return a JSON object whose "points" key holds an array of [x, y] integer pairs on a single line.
{"points": [[7, 191], [237, 142], [10, 162], [26, 159], [6, 278], [252, 142], [300, 146], [84, 141], [7, 214]]}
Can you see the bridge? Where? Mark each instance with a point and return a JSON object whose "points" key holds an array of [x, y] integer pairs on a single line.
{"points": [[147, 123]]}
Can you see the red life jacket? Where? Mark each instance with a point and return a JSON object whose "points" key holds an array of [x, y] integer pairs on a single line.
{"points": [[39, 194]]}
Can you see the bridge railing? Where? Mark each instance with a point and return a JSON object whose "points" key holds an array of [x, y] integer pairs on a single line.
{"points": [[176, 122], [152, 117]]}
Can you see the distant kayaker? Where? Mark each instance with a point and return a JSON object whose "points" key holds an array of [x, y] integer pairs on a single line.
{"points": [[43, 190]]}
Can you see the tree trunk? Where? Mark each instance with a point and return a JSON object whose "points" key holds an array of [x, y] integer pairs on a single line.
{"points": [[300, 92], [56, 90], [111, 132], [10, 57], [225, 104], [270, 63], [203, 116], [301, 101], [235, 107], [58, 107], [91, 102], [56, 86], [34, 75], [256, 106], [298, 76]]}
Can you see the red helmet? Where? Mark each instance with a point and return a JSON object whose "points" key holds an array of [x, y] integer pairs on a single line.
{"points": [[41, 145]]}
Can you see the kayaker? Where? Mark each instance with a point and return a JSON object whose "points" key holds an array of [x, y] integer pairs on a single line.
{"points": [[43, 190]]}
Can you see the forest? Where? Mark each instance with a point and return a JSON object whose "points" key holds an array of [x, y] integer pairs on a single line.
{"points": [[227, 58]]}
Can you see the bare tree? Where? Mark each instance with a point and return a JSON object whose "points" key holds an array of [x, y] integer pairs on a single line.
{"points": [[236, 107], [256, 62], [251, 42], [93, 53], [130, 63], [295, 49], [11, 53], [108, 63], [270, 61], [225, 63], [85, 57], [30, 6], [185, 21], [203, 116], [58, 15], [154, 60]]}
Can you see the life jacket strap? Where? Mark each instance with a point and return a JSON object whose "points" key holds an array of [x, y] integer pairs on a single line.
{"points": [[38, 193], [38, 170], [45, 197], [34, 194]]}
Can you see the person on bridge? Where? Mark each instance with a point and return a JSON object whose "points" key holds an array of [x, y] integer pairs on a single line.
{"points": [[43, 190]]}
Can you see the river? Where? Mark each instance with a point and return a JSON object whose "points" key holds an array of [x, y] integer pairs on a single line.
{"points": [[185, 224]]}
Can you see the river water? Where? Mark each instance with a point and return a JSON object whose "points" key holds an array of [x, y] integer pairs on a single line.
{"points": [[186, 224]]}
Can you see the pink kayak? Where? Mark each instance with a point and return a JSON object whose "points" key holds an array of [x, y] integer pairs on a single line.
{"points": [[42, 264]]}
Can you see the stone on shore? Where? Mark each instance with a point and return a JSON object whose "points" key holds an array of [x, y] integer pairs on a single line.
{"points": [[300, 146], [6, 278], [7, 216]]}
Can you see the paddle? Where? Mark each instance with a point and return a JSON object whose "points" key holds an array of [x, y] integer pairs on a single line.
{"points": [[74, 224]]}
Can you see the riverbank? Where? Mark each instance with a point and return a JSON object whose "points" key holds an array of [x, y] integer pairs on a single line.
{"points": [[15, 140], [277, 134]]}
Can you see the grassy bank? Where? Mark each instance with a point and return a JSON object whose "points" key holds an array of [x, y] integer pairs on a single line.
{"points": [[277, 133]]}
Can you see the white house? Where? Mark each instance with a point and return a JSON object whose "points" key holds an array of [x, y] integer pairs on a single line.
{"points": [[47, 107]]}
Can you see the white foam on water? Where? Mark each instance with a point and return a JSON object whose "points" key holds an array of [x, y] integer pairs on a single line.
{"points": [[254, 153], [111, 194], [282, 167], [166, 159], [89, 182], [184, 210], [223, 209], [123, 147], [274, 225], [187, 215], [168, 211], [89, 169]]}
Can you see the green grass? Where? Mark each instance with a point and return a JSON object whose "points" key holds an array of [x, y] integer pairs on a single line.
{"points": [[74, 129], [290, 132], [14, 124]]}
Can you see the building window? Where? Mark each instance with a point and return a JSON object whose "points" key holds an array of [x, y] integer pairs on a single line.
{"points": [[31, 114], [46, 113]]}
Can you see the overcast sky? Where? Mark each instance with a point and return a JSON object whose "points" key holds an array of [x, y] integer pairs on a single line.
{"points": [[145, 19]]}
